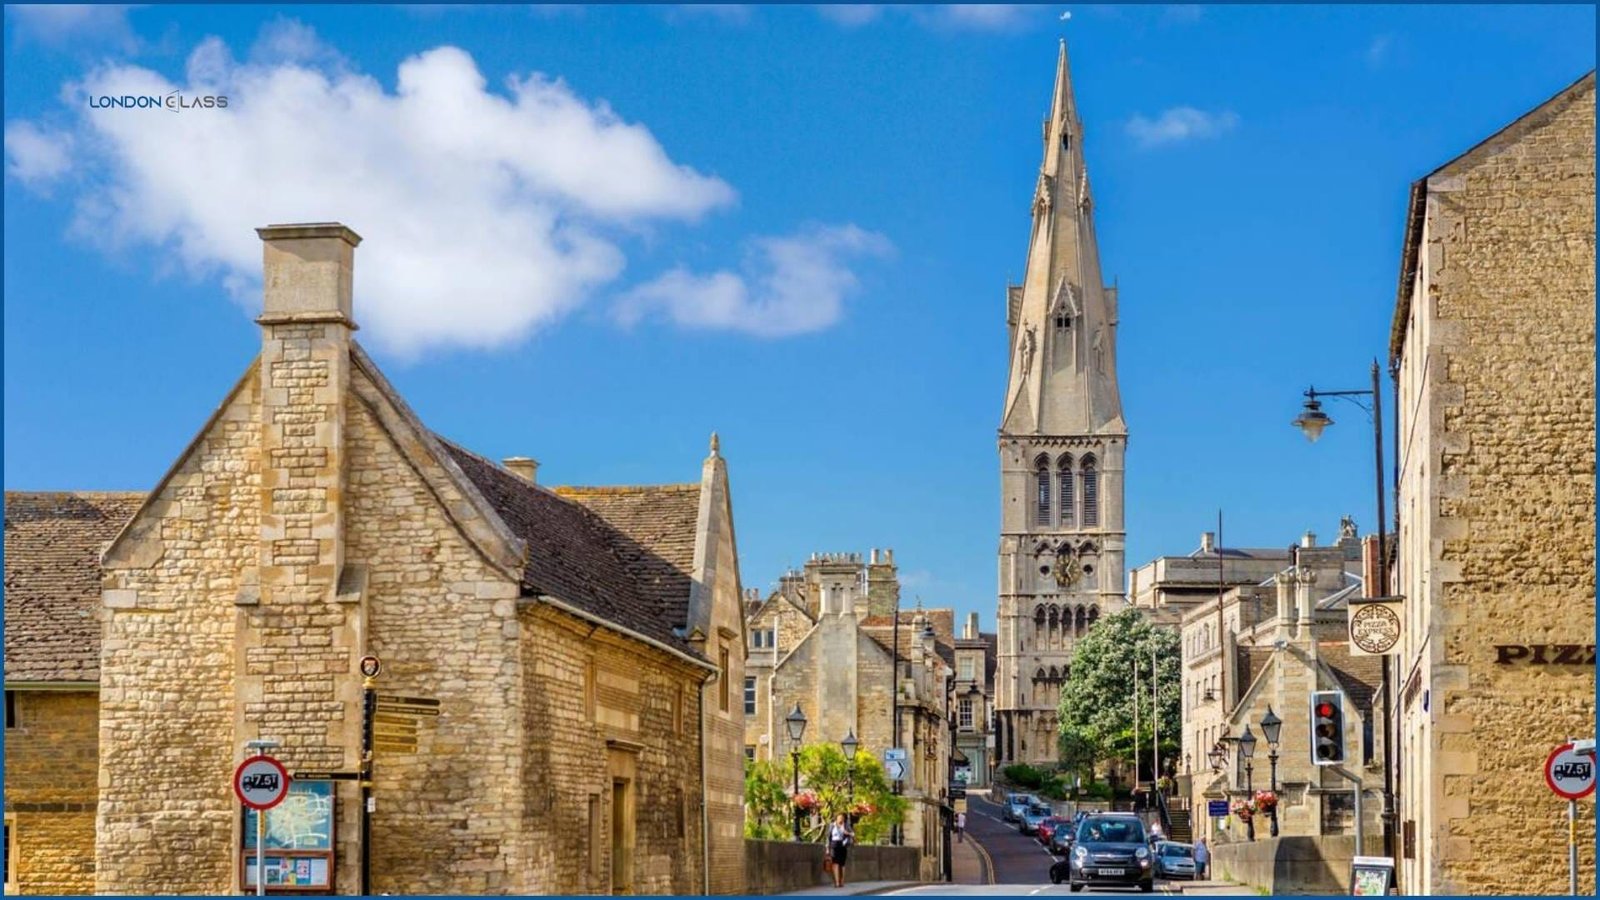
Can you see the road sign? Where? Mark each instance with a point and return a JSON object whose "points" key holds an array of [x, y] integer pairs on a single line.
{"points": [[961, 804], [261, 782], [894, 763], [327, 776], [1570, 772], [417, 704], [1217, 809]]}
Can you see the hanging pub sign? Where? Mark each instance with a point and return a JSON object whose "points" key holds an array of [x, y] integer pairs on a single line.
{"points": [[1376, 626]]}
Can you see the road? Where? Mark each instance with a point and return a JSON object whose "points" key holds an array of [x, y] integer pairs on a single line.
{"points": [[1021, 865]]}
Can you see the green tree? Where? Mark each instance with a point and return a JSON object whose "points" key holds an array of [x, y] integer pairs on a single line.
{"points": [[1097, 700], [767, 813], [826, 775]]}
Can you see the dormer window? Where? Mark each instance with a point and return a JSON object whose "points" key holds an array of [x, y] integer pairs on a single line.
{"points": [[1063, 321]]}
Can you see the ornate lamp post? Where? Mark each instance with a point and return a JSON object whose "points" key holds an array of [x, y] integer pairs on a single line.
{"points": [[849, 745], [796, 722], [1271, 725], [1247, 749], [1312, 420]]}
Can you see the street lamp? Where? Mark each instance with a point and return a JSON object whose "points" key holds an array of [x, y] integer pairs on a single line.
{"points": [[849, 744], [796, 721], [1312, 421], [1247, 749], [1218, 757], [1271, 725]]}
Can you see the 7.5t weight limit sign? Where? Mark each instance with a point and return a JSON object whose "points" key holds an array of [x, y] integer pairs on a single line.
{"points": [[1570, 771], [261, 782]]}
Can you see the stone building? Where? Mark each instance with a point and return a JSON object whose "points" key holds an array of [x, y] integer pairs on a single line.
{"points": [[1061, 444], [52, 679], [1493, 352], [827, 640], [1277, 642], [1168, 587], [582, 645], [971, 703]]}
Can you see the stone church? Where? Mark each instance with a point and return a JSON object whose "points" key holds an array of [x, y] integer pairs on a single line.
{"points": [[583, 647], [1062, 442]]}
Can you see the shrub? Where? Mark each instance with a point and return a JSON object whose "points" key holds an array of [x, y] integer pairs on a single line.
{"points": [[1023, 775]]}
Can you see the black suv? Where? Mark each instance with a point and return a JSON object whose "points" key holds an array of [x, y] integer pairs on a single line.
{"points": [[1108, 848]]}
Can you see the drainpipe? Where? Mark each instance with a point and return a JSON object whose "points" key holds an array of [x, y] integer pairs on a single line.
{"points": [[705, 804]]}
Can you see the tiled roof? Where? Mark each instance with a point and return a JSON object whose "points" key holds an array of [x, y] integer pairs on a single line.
{"points": [[656, 526], [881, 629], [572, 551], [53, 543], [1359, 676]]}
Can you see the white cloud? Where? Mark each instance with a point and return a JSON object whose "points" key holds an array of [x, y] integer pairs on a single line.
{"points": [[1378, 50], [728, 13], [34, 156], [1178, 124], [75, 25], [789, 285], [978, 16], [485, 214], [852, 15]]}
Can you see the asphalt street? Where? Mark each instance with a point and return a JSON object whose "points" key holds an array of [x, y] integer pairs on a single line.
{"points": [[1021, 865]]}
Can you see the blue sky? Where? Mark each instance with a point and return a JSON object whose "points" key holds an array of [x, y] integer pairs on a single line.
{"points": [[594, 235]]}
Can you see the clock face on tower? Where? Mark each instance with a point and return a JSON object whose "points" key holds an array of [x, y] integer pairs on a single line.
{"points": [[1068, 569]]}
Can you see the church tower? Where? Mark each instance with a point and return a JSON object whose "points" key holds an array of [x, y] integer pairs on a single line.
{"points": [[1062, 444]]}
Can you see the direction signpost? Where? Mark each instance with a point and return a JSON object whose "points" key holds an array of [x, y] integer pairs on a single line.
{"points": [[895, 765], [1569, 771]]}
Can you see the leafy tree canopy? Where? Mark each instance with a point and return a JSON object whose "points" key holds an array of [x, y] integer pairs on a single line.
{"points": [[832, 783], [1097, 699]]}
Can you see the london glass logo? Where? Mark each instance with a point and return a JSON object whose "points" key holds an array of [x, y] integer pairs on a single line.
{"points": [[174, 101]]}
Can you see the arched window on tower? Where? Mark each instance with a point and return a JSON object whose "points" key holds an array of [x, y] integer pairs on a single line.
{"points": [[1080, 622], [1091, 493], [1064, 465], [1038, 618], [1094, 615], [1041, 473]]}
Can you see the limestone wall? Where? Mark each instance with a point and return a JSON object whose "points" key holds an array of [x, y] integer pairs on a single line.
{"points": [[600, 712], [449, 817], [167, 669], [1500, 355], [1292, 865], [773, 867], [51, 763]]}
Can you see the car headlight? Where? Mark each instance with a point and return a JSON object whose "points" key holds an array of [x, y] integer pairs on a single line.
{"points": [[1141, 853], [1080, 854]]}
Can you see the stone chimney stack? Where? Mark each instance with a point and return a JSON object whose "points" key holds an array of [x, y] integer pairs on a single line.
{"points": [[306, 623], [1309, 539], [524, 467], [970, 633], [1208, 542]]}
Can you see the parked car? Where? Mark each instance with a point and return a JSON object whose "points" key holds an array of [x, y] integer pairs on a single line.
{"points": [[1031, 819], [1108, 848], [1174, 860], [1048, 827], [1016, 805], [1061, 840]]}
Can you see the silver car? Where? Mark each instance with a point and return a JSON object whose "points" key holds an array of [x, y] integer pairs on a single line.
{"points": [[1174, 860], [1016, 805], [1029, 821]]}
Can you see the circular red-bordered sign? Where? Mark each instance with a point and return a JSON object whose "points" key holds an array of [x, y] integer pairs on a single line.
{"points": [[1570, 773], [261, 782]]}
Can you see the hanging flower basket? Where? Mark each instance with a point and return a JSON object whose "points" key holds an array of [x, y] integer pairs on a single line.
{"points": [[862, 810], [1266, 801], [805, 802], [1244, 809]]}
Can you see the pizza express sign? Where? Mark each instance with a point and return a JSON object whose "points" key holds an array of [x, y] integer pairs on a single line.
{"points": [[1544, 654], [1375, 626]]}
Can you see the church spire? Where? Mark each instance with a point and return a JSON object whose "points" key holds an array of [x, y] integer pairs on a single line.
{"points": [[1062, 318]]}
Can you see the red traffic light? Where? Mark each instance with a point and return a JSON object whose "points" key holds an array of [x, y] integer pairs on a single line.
{"points": [[1324, 709]]}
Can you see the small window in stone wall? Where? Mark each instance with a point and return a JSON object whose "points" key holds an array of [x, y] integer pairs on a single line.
{"points": [[722, 683], [589, 690], [596, 836], [11, 845], [11, 709], [1339, 812]]}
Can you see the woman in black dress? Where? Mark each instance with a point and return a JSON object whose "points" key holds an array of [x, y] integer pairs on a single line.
{"points": [[839, 838]]}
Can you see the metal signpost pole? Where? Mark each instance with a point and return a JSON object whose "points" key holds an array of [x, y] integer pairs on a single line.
{"points": [[1572, 847], [261, 844], [370, 667]]}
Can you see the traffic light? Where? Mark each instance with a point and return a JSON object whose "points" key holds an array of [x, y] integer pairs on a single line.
{"points": [[1327, 728]]}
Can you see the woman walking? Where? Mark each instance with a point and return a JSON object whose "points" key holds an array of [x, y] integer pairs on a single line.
{"points": [[840, 836]]}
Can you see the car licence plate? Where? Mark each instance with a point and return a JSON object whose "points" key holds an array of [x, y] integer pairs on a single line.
{"points": [[1110, 871]]}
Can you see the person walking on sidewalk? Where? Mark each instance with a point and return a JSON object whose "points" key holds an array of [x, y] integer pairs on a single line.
{"points": [[1202, 855], [961, 826], [840, 836]]}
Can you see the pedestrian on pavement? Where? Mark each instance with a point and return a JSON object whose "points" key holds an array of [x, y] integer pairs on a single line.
{"points": [[840, 837], [1202, 855], [961, 826]]}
